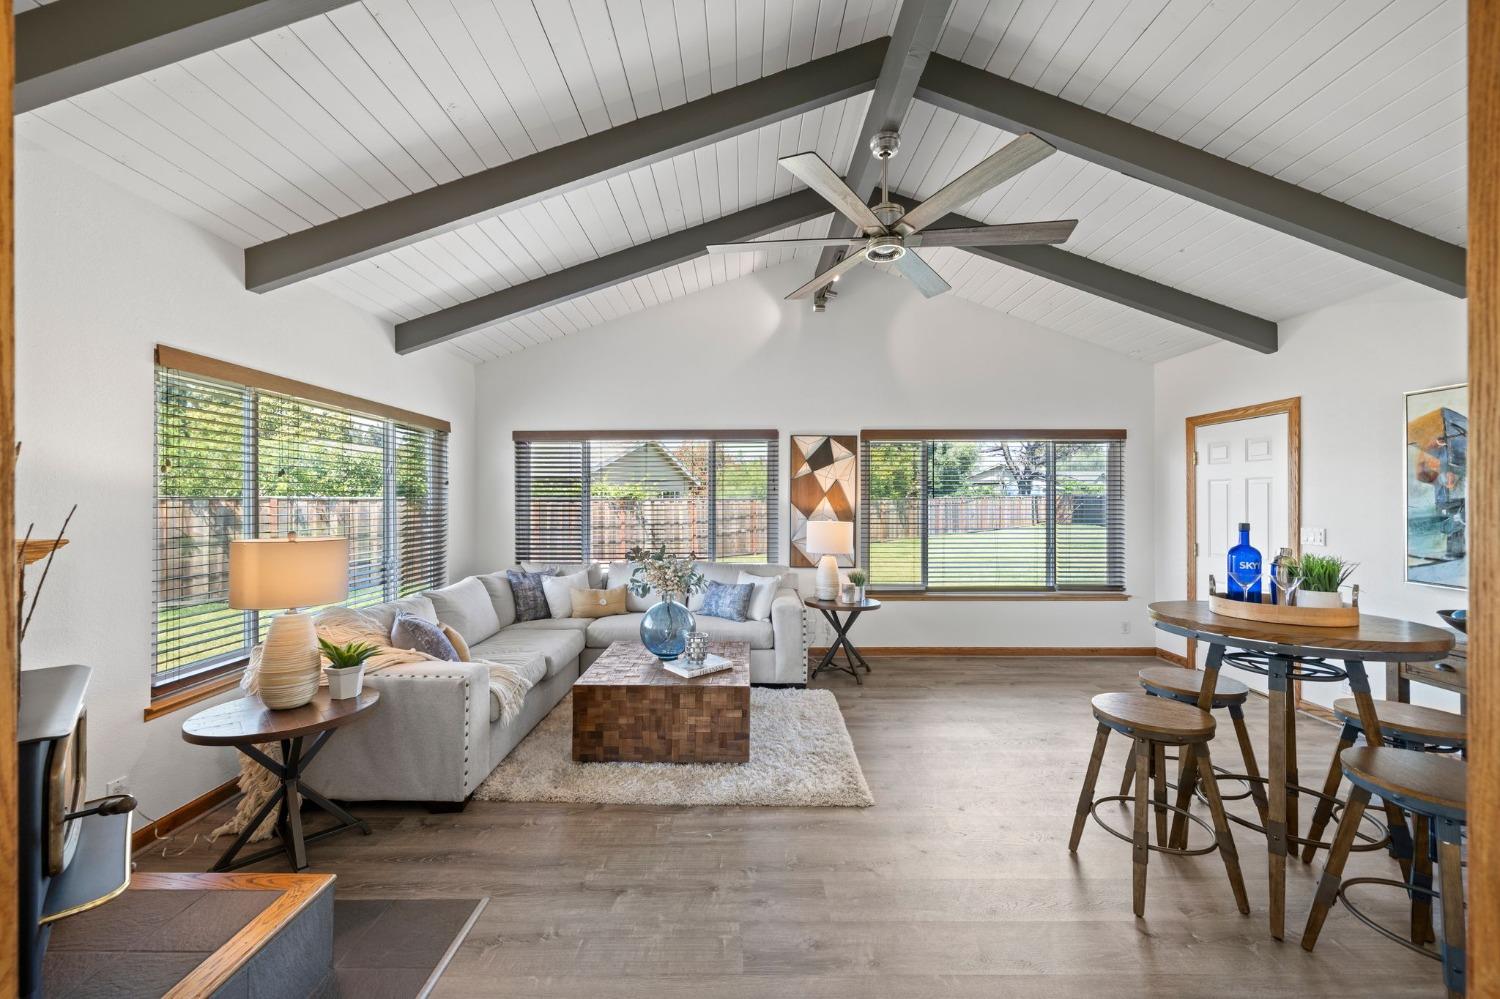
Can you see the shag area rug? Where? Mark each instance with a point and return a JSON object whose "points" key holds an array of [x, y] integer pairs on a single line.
{"points": [[800, 755]]}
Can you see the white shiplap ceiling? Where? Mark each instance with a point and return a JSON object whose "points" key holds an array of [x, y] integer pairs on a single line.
{"points": [[1361, 100]]}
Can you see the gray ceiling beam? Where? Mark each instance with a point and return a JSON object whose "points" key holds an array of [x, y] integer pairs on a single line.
{"points": [[1127, 289], [70, 47], [647, 140], [1180, 168], [915, 35], [616, 268]]}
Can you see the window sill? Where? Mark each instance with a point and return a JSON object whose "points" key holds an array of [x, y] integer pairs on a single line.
{"points": [[942, 596], [166, 703]]}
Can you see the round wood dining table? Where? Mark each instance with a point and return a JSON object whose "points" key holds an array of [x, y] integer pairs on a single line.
{"points": [[1283, 653]]}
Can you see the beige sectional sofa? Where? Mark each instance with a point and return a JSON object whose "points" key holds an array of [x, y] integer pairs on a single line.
{"points": [[437, 732]]}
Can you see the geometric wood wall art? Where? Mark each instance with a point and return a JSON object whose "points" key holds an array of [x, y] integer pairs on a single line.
{"points": [[825, 486]]}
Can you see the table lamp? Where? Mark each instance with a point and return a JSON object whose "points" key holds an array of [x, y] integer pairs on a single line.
{"points": [[286, 574], [829, 538]]}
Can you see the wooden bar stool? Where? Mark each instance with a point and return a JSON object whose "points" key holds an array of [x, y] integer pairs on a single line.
{"points": [[1185, 686], [1404, 726], [1153, 724], [1432, 788]]}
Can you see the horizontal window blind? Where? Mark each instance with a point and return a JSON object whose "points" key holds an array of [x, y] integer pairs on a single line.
{"points": [[968, 511], [236, 461], [593, 497]]}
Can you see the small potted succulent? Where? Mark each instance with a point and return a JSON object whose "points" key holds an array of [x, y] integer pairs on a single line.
{"points": [[859, 579], [1319, 578], [346, 667]]}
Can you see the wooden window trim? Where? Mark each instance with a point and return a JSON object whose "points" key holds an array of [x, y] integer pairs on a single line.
{"points": [[644, 435], [991, 435], [191, 689], [212, 367]]}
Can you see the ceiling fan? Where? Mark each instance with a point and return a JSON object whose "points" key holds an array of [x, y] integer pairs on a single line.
{"points": [[890, 232]]}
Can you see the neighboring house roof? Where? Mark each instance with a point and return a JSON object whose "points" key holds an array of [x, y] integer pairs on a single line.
{"points": [[639, 454]]}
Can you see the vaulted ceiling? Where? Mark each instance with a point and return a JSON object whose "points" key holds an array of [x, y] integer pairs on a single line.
{"points": [[419, 106]]}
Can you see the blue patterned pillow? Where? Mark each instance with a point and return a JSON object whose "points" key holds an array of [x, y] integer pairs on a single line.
{"points": [[531, 599], [422, 636], [731, 601]]}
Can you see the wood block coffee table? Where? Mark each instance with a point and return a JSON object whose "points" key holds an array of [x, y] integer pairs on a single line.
{"points": [[628, 709]]}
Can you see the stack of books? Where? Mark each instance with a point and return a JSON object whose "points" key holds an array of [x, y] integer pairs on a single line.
{"points": [[710, 664]]}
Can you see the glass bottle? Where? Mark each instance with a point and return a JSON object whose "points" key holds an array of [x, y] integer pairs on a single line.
{"points": [[1244, 569]]}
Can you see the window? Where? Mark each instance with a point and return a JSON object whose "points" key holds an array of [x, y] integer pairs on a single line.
{"points": [[978, 511], [240, 454], [590, 496]]}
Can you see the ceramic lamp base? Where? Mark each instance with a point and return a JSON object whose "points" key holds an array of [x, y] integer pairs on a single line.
{"points": [[289, 662], [828, 578]]}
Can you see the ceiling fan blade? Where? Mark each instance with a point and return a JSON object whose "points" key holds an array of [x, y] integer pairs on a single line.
{"points": [[1014, 234], [751, 245], [995, 169], [812, 171], [920, 273], [850, 262]]}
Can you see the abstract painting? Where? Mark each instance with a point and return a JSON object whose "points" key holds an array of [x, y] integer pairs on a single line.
{"points": [[1437, 452], [825, 486]]}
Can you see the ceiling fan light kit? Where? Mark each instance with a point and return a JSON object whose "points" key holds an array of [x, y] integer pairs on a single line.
{"points": [[891, 231]]}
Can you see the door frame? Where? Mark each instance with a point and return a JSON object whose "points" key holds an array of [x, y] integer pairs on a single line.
{"points": [[1292, 409]]}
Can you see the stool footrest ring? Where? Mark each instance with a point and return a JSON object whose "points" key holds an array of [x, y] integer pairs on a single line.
{"points": [[1367, 843], [1175, 851], [1369, 921]]}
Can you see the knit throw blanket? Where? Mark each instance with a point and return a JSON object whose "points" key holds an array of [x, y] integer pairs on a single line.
{"points": [[340, 625]]}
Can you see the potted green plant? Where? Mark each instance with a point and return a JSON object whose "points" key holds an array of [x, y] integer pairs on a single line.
{"points": [[346, 667], [1319, 578], [859, 579]]}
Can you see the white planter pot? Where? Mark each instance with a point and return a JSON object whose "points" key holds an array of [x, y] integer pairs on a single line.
{"points": [[345, 683], [1309, 598]]}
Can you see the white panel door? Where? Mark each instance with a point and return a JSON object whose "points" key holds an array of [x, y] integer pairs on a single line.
{"points": [[1241, 477]]}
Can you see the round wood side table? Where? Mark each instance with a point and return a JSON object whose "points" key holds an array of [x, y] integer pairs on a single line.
{"points": [[246, 724], [830, 609]]}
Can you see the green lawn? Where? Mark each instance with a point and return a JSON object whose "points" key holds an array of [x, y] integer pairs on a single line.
{"points": [[1014, 556]]}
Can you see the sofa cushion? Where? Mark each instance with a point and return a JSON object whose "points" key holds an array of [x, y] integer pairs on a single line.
{"points": [[553, 624], [713, 572], [559, 592], [559, 646], [595, 570], [627, 628], [619, 575], [531, 665], [466, 605], [422, 636], [498, 587], [417, 606]]}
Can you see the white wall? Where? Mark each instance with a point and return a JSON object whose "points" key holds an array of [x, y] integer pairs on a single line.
{"points": [[882, 356], [1350, 363], [101, 277]]}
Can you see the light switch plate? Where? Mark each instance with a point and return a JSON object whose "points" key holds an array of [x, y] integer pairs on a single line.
{"points": [[1316, 536]]}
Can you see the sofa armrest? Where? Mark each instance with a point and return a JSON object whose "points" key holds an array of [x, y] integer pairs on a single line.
{"points": [[786, 635], [427, 739]]}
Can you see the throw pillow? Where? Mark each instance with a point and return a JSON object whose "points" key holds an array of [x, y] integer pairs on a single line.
{"points": [[729, 601], [619, 575], [460, 647], [422, 636], [765, 592], [559, 592], [599, 603], [531, 599]]}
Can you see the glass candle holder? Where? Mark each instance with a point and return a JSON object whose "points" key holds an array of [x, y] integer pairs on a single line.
{"points": [[696, 646]]}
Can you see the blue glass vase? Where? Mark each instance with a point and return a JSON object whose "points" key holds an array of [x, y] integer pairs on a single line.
{"points": [[664, 629]]}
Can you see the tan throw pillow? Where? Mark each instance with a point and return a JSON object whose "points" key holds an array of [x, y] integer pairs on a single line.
{"points": [[459, 645], [599, 603]]}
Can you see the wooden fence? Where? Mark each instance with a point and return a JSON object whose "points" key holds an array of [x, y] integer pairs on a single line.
{"points": [[682, 524], [895, 519]]}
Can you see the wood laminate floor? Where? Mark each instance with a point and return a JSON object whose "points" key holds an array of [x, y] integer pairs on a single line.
{"points": [[957, 883]]}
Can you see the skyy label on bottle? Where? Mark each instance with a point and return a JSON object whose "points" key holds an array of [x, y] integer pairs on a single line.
{"points": [[1244, 569]]}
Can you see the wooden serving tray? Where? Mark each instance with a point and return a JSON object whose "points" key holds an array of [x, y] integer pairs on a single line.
{"points": [[1310, 617]]}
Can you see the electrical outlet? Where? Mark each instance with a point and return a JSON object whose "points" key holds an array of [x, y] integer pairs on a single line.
{"points": [[1316, 536], [1124, 627], [120, 785]]}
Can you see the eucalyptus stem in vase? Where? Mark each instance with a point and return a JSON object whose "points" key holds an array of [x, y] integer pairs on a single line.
{"points": [[665, 626]]}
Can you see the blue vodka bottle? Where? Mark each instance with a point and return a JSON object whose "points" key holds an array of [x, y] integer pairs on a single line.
{"points": [[1244, 569]]}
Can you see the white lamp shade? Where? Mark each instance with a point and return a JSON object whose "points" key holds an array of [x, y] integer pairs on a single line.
{"points": [[278, 573], [830, 537]]}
